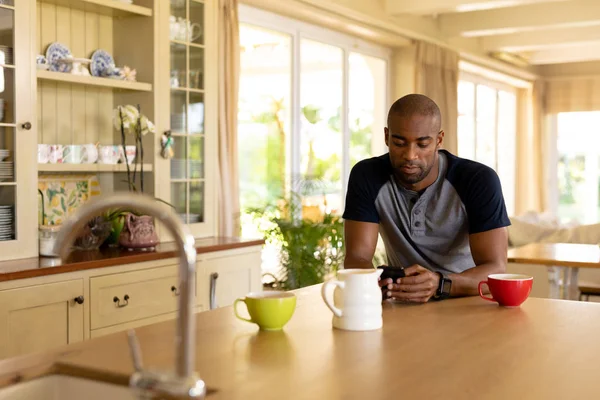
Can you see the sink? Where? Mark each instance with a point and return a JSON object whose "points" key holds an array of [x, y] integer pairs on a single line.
{"points": [[64, 387]]}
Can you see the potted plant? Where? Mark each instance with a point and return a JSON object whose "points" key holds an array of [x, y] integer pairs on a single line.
{"points": [[130, 228], [310, 248]]}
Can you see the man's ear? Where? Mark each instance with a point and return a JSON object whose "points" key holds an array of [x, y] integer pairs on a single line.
{"points": [[439, 139], [386, 131]]}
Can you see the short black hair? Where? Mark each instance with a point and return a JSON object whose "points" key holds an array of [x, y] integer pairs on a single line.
{"points": [[414, 104]]}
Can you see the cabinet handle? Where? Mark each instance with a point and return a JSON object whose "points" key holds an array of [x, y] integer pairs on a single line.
{"points": [[26, 126], [174, 290], [78, 299], [118, 301], [213, 290]]}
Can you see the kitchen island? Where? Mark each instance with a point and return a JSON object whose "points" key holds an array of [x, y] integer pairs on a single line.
{"points": [[455, 349]]}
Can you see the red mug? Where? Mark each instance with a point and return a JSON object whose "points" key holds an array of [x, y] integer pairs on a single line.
{"points": [[508, 290]]}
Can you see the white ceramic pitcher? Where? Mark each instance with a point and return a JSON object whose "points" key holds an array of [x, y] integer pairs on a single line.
{"points": [[356, 299]]}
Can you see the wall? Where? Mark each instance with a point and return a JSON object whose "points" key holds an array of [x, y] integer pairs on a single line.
{"points": [[73, 113], [570, 69], [403, 67]]}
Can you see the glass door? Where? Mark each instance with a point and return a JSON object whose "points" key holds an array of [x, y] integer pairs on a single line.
{"points": [[17, 133], [187, 111]]}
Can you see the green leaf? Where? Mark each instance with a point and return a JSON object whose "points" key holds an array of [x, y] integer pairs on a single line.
{"points": [[62, 204], [72, 197]]}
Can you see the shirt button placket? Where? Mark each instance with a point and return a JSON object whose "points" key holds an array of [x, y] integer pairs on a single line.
{"points": [[418, 227]]}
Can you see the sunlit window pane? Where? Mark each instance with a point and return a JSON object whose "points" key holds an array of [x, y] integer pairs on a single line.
{"points": [[264, 115], [578, 167], [367, 106], [466, 120], [485, 150], [507, 135], [321, 92]]}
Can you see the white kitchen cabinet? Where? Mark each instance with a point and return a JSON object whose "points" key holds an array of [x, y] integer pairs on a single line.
{"points": [[42, 317], [228, 275]]}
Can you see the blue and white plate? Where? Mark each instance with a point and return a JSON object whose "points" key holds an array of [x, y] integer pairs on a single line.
{"points": [[57, 51], [102, 63]]}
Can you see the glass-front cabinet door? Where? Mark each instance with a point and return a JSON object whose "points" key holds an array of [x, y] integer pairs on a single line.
{"points": [[191, 109], [18, 233]]}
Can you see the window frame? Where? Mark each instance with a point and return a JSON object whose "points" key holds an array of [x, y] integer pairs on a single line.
{"points": [[497, 86], [299, 30]]}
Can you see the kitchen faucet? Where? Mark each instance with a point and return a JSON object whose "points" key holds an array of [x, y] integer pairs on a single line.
{"points": [[183, 383]]}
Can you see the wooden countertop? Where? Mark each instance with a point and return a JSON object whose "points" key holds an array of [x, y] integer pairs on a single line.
{"points": [[110, 257], [455, 349], [557, 254]]}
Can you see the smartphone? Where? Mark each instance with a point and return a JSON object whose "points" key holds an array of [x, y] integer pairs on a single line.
{"points": [[392, 272]]}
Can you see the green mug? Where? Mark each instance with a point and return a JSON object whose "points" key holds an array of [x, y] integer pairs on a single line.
{"points": [[269, 310]]}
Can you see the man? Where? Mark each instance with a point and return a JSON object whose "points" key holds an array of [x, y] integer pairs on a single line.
{"points": [[441, 217]]}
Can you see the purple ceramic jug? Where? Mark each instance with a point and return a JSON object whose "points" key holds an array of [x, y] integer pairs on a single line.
{"points": [[138, 232]]}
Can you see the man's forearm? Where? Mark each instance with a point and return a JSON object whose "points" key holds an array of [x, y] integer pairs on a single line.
{"points": [[357, 263], [467, 282]]}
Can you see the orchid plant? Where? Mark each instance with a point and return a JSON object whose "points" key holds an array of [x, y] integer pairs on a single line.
{"points": [[129, 120]]}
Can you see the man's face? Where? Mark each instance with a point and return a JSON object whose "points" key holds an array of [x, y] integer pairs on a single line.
{"points": [[413, 143]]}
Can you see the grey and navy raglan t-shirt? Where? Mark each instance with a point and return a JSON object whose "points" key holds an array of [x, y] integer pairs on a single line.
{"points": [[430, 228]]}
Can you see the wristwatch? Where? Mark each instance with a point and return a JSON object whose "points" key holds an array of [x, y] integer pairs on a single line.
{"points": [[443, 290]]}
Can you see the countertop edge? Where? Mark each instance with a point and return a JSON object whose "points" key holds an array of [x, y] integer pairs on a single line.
{"points": [[134, 257]]}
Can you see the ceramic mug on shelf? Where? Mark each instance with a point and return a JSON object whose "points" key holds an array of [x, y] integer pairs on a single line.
{"points": [[129, 154], [356, 299], [43, 153], [73, 154], [90, 153], [109, 154], [56, 154]]}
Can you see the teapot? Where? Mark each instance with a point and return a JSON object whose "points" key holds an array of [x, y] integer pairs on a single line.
{"points": [[184, 30], [356, 299]]}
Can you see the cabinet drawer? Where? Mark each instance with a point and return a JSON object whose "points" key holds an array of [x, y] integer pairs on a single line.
{"points": [[130, 296]]}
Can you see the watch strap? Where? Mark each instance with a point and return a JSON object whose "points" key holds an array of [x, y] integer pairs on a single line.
{"points": [[439, 293]]}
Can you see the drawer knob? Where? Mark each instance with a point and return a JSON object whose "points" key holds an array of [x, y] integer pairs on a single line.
{"points": [[78, 299], [117, 301], [174, 290]]}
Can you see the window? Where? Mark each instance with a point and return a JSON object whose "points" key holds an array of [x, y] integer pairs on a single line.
{"points": [[487, 126], [578, 167], [312, 103]]}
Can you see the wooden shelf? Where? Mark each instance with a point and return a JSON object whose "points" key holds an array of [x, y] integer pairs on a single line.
{"points": [[184, 43], [184, 89], [90, 168], [113, 8], [94, 81]]}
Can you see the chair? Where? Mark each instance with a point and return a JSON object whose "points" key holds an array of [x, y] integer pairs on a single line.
{"points": [[587, 290]]}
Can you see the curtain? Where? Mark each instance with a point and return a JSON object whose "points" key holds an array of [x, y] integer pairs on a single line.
{"points": [[532, 151], [229, 73], [436, 76]]}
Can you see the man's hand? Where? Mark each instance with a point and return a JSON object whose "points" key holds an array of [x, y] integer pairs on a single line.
{"points": [[419, 285]]}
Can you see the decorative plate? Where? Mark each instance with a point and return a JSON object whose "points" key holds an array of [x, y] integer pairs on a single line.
{"points": [[102, 63], [57, 51]]}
